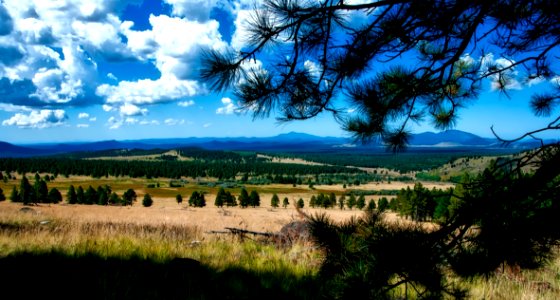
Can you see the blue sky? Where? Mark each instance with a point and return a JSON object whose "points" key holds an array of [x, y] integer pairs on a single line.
{"points": [[90, 70]]}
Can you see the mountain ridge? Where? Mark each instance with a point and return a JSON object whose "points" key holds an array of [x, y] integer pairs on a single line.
{"points": [[291, 141]]}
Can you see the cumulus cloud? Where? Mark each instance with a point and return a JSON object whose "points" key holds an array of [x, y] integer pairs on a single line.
{"points": [[192, 9], [37, 119], [228, 108], [132, 110], [8, 107], [83, 115], [186, 103], [147, 91], [82, 125]]}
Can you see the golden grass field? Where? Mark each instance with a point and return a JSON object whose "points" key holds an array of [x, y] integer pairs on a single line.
{"points": [[168, 230]]}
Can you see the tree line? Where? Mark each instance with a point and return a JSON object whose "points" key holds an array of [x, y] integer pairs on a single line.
{"points": [[223, 169]]}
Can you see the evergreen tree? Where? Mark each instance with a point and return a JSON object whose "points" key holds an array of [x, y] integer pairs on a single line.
{"points": [[80, 195], [54, 196], [147, 200], [244, 200], [285, 202], [179, 199], [220, 197], [90, 196], [14, 196], [254, 199], [114, 199], [2, 196], [382, 204], [230, 199], [300, 203], [313, 201], [25, 193], [361, 203], [274, 201], [129, 197], [371, 205], [71, 196], [351, 201], [41, 192], [341, 201]]}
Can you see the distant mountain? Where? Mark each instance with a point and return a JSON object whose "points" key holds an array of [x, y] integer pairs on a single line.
{"points": [[292, 141], [10, 150], [450, 138]]}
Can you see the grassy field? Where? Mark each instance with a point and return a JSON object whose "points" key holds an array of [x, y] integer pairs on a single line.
{"points": [[169, 250]]}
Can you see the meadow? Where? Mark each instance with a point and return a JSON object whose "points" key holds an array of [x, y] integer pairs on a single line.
{"points": [[172, 250]]}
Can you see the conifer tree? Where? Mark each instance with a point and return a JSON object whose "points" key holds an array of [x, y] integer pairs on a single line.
{"points": [[361, 203], [71, 196], [147, 200], [14, 196], [274, 201], [285, 202], [54, 196]]}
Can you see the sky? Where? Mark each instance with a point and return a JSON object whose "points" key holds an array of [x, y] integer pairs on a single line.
{"points": [[92, 70]]}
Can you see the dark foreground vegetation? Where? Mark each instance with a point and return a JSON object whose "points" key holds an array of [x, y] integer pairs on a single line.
{"points": [[64, 276]]}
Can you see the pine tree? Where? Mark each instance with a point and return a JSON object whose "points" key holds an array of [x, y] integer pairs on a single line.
{"points": [[54, 196], [382, 204], [179, 199], [274, 201], [129, 197], [147, 200], [114, 199], [41, 192], [254, 199], [341, 201], [90, 196], [371, 205], [361, 203], [14, 196], [71, 197], [313, 201], [244, 200], [351, 201], [220, 197], [285, 202], [80, 196], [300, 203], [26, 191]]}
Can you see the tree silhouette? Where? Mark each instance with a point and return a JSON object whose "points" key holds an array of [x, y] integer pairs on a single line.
{"points": [[274, 201], [71, 197], [147, 200], [404, 62], [2, 196], [323, 53]]}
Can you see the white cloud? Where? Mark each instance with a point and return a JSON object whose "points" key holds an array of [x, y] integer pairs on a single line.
{"points": [[147, 91], [172, 122], [128, 109], [37, 119], [186, 103], [192, 9], [83, 115], [313, 68], [93, 119], [228, 108], [112, 76], [131, 121], [8, 107], [107, 108], [82, 125], [114, 123], [146, 122], [206, 125]]}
